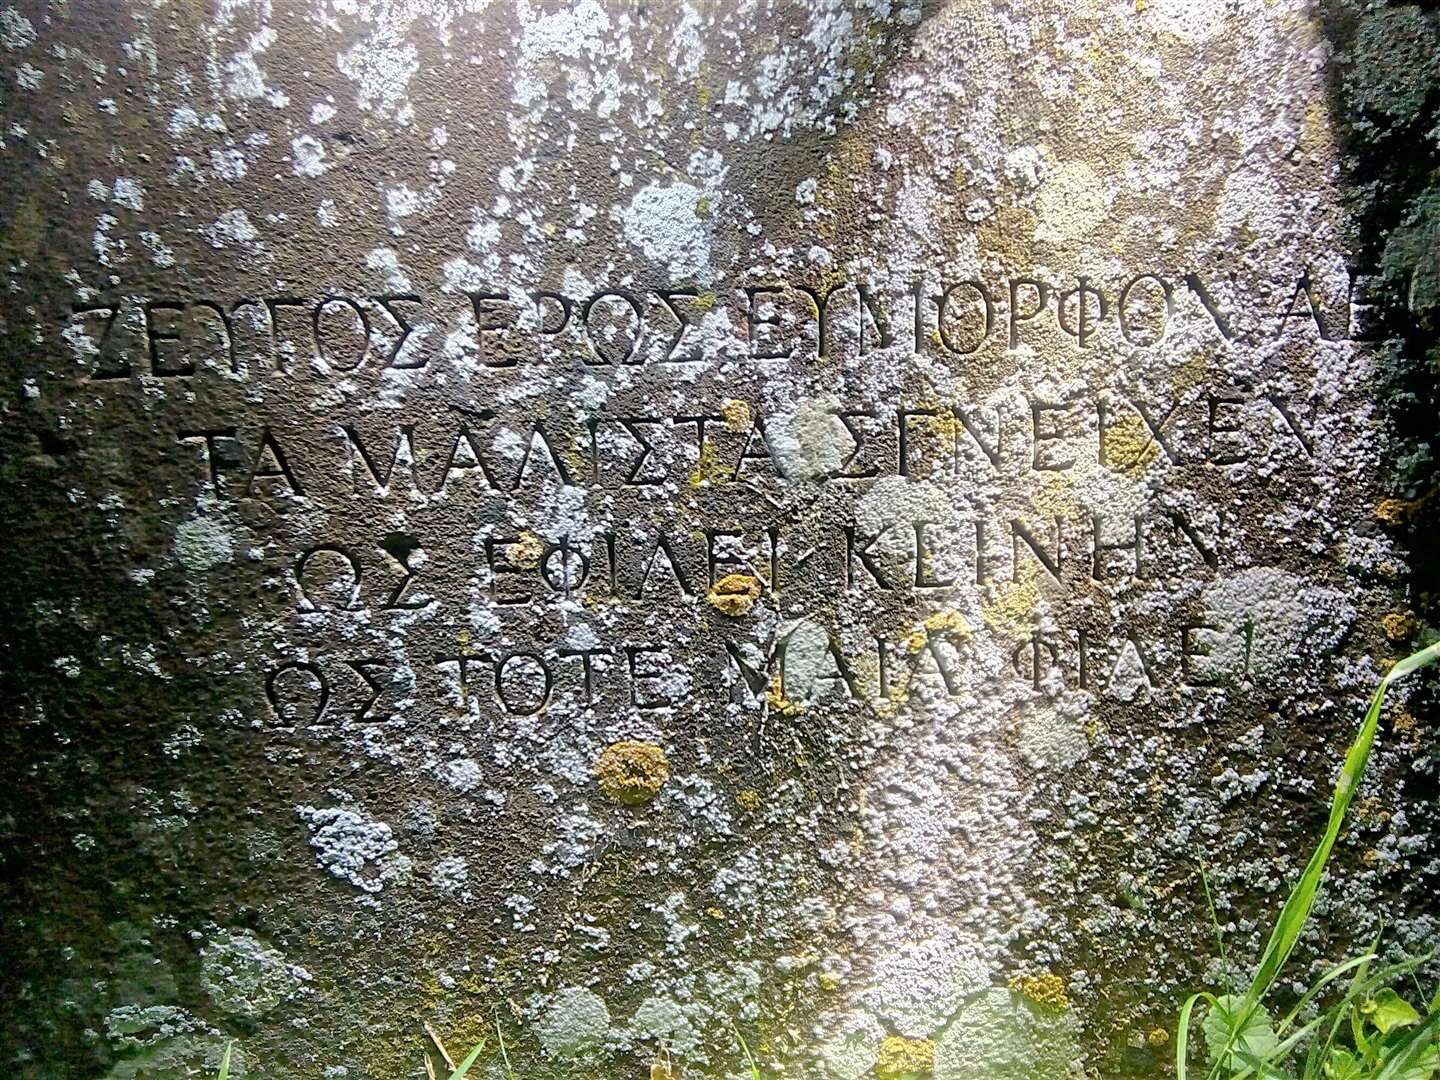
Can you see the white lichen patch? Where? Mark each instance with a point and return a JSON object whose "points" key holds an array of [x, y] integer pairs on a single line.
{"points": [[1071, 202], [307, 155], [203, 543], [16, 31], [664, 224], [810, 441], [1000, 1036], [354, 848], [246, 978], [573, 1023], [1268, 617], [1052, 735]]}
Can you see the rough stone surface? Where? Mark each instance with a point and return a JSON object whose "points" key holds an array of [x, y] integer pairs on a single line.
{"points": [[952, 437]]}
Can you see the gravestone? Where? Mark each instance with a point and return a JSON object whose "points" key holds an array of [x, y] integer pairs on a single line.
{"points": [[614, 526]]}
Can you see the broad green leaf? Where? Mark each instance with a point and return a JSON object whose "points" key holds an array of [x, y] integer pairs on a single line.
{"points": [[1422, 1068], [1267, 1068], [1343, 1065], [1253, 1066], [1234, 1026], [1387, 1010], [1413, 1057]]}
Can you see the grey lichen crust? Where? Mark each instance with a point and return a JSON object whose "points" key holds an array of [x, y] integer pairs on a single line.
{"points": [[623, 524]]}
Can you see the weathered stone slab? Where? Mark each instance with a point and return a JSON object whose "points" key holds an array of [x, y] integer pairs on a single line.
{"points": [[638, 521]]}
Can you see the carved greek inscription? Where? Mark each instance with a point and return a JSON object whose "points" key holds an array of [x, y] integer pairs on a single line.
{"points": [[1036, 434], [181, 337]]}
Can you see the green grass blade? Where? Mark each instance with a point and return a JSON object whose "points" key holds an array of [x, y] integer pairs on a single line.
{"points": [[1214, 921], [1362, 983], [1413, 662], [504, 1053], [225, 1061], [745, 1048], [1182, 1034], [1325, 980], [470, 1059], [1296, 911]]}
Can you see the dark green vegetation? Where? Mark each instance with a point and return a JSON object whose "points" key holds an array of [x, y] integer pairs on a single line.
{"points": [[1386, 99]]}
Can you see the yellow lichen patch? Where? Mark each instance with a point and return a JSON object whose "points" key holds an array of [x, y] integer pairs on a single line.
{"points": [[1318, 133], [1057, 498], [828, 981], [632, 773], [899, 1056], [1158, 1037], [942, 425], [777, 701], [1371, 811], [932, 430], [1043, 989], [737, 414], [734, 594], [1011, 609], [1129, 446], [526, 552], [947, 623], [1398, 625], [1192, 372], [708, 467], [749, 800], [1404, 722], [1010, 234], [1394, 511]]}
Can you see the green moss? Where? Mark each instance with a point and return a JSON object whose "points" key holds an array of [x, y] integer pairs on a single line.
{"points": [[1396, 63], [1409, 255]]}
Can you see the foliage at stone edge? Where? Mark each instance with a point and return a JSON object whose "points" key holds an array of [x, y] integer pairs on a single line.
{"points": [[1387, 92], [1240, 1037]]}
